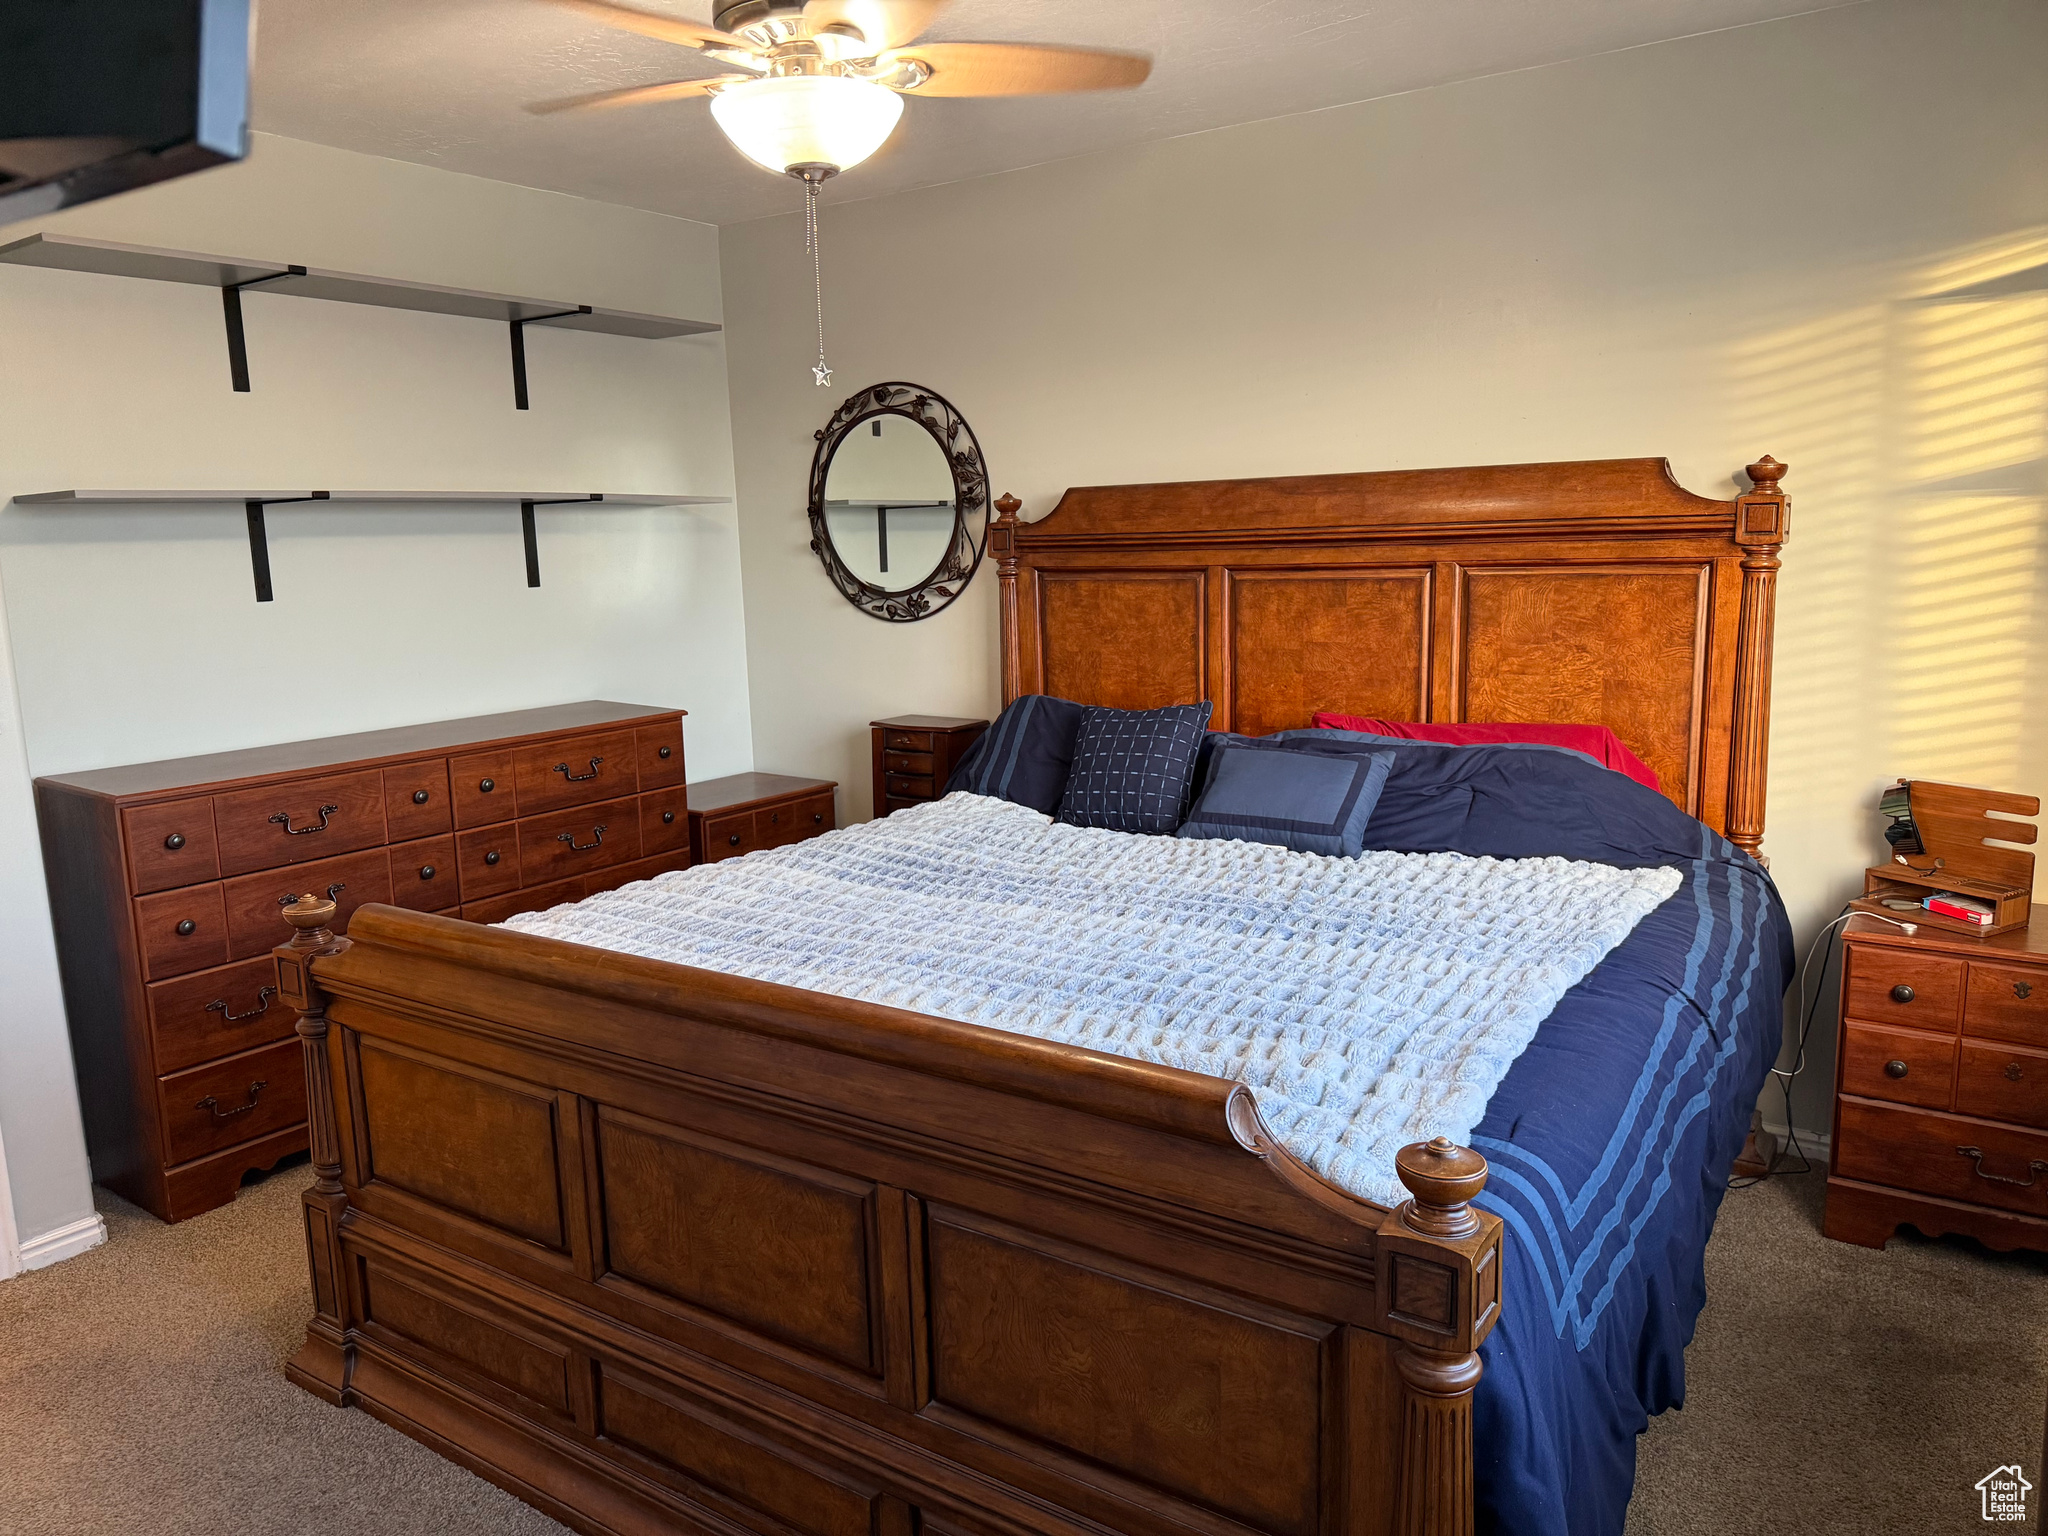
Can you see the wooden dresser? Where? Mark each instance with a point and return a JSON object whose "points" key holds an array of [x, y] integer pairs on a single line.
{"points": [[166, 880], [1941, 1087], [916, 754], [735, 816]]}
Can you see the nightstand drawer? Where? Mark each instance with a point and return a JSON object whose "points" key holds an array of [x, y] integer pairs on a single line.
{"points": [[727, 837], [1943, 1156], [2003, 1083], [794, 820], [908, 762], [906, 741], [1898, 986], [909, 786], [2008, 1002], [1905, 1066]]}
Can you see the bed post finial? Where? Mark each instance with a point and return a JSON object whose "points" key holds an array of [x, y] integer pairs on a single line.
{"points": [[1436, 1275], [323, 1362], [1763, 523], [1002, 540]]}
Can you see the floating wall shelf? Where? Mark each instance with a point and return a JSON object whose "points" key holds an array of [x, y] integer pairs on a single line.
{"points": [[231, 276], [253, 503]]}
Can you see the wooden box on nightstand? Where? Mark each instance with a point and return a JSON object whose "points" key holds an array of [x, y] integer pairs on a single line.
{"points": [[916, 754], [729, 817], [1941, 1101]]}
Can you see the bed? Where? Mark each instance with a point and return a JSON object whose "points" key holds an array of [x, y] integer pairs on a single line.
{"points": [[657, 1247]]}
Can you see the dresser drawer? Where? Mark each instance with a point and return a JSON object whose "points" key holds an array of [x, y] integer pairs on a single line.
{"points": [[907, 741], [641, 869], [298, 822], [2008, 1002], [539, 899], [416, 800], [183, 930], [239, 1099], [574, 842], [1905, 1066], [575, 771], [659, 749], [488, 859], [169, 845], [909, 762], [2003, 1083], [664, 821], [1899, 986], [423, 875], [480, 788], [217, 1013], [254, 902], [776, 826], [909, 786], [1931, 1154], [727, 837]]}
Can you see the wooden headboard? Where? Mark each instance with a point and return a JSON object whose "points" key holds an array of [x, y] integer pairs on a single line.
{"points": [[1599, 592]]}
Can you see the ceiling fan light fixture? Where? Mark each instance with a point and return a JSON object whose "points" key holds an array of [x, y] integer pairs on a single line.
{"points": [[807, 120]]}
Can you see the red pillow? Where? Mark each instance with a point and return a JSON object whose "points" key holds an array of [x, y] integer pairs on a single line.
{"points": [[1596, 741]]}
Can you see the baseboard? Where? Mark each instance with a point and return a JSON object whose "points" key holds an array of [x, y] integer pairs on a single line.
{"points": [[65, 1242], [1814, 1144]]}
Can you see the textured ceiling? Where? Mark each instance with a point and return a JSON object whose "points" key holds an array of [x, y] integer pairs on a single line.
{"points": [[440, 82]]}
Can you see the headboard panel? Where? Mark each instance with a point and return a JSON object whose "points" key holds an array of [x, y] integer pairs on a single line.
{"points": [[1598, 592]]}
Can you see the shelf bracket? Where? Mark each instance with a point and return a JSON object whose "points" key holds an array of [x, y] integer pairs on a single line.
{"points": [[526, 529], [238, 349], [519, 389], [259, 536]]}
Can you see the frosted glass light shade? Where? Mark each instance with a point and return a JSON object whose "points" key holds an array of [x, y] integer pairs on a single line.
{"points": [[807, 119]]}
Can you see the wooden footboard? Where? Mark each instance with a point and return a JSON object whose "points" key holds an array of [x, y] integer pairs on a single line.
{"points": [[656, 1248]]}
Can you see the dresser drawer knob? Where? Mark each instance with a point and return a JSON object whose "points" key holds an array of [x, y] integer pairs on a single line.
{"points": [[666, 753], [2023, 989], [2012, 1072], [284, 819], [175, 841], [1895, 1068], [1902, 993], [187, 928], [487, 785], [817, 818], [667, 817], [2034, 1169], [734, 840], [419, 797], [492, 857], [426, 871]]}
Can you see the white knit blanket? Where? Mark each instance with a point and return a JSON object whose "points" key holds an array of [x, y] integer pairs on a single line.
{"points": [[1367, 1002]]}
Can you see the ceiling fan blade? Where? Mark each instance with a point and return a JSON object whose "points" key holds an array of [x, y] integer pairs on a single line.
{"points": [[635, 95], [883, 23], [691, 34], [1019, 69]]}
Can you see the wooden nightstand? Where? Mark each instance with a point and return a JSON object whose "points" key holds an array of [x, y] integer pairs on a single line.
{"points": [[916, 754], [1941, 1086], [729, 817]]}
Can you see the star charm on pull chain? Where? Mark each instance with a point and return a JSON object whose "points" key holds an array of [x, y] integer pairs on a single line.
{"points": [[822, 374]]}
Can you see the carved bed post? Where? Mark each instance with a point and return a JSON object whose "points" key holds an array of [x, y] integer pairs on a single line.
{"points": [[1762, 525], [1002, 543], [1437, 1284], [322, 1364]]}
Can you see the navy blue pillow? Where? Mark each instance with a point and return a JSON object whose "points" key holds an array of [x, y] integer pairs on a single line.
{"points": [[1133, 768], [1308, 801], [1024, 756]]}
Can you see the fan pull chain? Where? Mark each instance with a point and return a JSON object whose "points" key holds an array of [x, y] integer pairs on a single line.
{"points": [[822, 373]]}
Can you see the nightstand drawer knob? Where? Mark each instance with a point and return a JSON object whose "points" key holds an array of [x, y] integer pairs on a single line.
{"points": [[419, 797], [665, 752], [2012, 1072], [175, 841], [187, 928], [492, 857], [1902, 993], [817, 818], [667, 817], [487, 785], [426, 871], [2022, 989], [734, 840], [1895, 1068]]}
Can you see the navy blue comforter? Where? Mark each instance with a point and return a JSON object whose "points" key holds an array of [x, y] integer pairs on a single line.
{"points": [[1611, 1136]]}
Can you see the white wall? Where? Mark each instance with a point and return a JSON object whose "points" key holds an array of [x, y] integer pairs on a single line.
{"points": [[1709, 249], [134, 633]]}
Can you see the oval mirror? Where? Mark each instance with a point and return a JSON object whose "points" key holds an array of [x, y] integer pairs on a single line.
{"points": [[899, 502]]}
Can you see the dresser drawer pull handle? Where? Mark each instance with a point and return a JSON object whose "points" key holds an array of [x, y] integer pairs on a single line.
{"points": [[220, 1006], [667, 817], [596, 835], [1902, 993], [2034, 1169], [2022, 989], [665, 753], [2012, 1072], [426, 871], [487, 785], [284, 819], [333, 891], [1895, 1068], [177, 840], [420, 797], [212, 1104], [187, 928], [578, 778], [491, 857]]}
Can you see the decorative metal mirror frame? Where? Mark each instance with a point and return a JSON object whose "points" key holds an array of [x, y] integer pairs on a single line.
{"points": [[970, 502]]}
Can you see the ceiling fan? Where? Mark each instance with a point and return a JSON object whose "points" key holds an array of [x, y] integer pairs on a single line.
{"points": [[821, 83]]}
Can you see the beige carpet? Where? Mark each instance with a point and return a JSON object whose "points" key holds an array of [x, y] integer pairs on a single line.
{"points": [[1832, 1389]]}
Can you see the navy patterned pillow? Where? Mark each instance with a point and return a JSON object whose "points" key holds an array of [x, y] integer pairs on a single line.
{"points": [[1133, 768]]}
